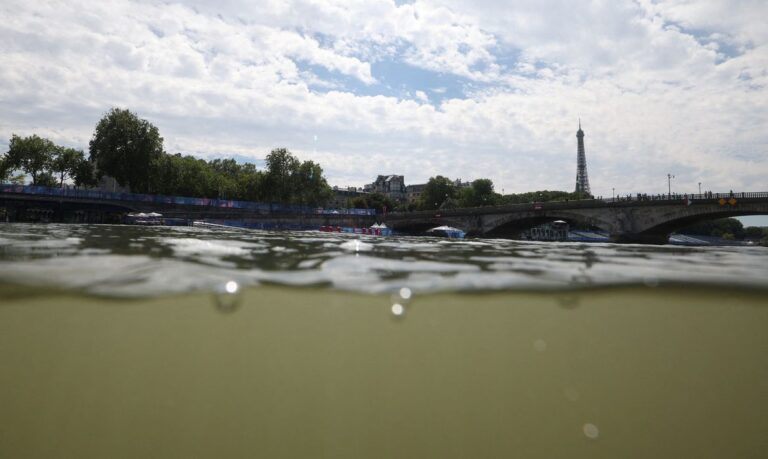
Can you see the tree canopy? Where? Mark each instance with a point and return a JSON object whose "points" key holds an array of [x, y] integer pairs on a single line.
{"points": [[65, 162], [33, 155], [127, 148], [41, 159], [376, 201], [437, 190]]}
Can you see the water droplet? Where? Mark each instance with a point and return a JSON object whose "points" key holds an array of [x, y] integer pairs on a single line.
{"points": [[540, 345], [402, 296], [398, 310], [227, 297], [591, 430]]}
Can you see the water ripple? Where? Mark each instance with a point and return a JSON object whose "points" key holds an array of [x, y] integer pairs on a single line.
{"points": [[144, 261]]}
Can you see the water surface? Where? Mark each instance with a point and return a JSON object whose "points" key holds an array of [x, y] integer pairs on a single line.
{"points": [[185, 342]]}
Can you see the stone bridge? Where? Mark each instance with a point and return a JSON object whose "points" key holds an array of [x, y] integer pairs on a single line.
{"points": [[641, 220]]}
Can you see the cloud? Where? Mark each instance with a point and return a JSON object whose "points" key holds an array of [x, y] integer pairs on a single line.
{"points": [[662, 86]]}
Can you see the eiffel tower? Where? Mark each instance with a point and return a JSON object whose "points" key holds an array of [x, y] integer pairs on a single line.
{"points": [[582, 180]]}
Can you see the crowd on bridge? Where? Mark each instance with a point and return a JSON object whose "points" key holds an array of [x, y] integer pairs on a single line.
{"points": [[680, 197]]}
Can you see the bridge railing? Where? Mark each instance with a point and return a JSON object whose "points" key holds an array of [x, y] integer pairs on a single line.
{"points": [[177, 200], [639, 197], [645, 199]]}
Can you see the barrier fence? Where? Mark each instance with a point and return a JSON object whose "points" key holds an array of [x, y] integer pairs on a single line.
{"points": [[177, 200]]}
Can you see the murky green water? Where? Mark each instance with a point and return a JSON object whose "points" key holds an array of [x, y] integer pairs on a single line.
{"points": [[124, 342]]}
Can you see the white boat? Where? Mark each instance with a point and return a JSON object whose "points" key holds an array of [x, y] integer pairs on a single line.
{"points": [[446, 231]]}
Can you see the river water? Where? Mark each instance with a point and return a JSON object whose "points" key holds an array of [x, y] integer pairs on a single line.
{"points": [[127, 341]]}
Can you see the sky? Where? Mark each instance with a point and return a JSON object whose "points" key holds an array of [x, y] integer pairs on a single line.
{"points": [[461, 88]]}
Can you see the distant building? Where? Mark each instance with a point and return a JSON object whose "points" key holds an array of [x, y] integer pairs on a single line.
{"points": [[392, 186], [341, 196], [413, 192]]}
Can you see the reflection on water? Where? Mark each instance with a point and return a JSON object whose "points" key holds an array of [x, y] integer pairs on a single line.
{"points": [[145, 261]]}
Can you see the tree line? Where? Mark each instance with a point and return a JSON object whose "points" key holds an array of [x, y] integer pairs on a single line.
{"points": [[46, 163], [443, 193], [727, 228], [130, 150]]}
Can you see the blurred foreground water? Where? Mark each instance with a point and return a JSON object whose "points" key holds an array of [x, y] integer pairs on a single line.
{"points": [[120, 341]]}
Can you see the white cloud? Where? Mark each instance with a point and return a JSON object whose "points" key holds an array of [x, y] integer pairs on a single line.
{"points": [[660, 86]]}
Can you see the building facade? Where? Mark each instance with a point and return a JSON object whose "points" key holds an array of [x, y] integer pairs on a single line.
{"points": [[392, 186], [341, 196], [413, 192]]}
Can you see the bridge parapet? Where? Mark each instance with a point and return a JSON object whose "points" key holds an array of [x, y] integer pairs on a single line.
{"points": [[641, 218]]}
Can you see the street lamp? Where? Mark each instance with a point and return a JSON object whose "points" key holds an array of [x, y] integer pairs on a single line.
{"points": [[613, 192], [669, 185]]}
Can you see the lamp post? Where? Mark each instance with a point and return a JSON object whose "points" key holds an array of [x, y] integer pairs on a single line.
{"points": [[669, 185], [613, 193]]}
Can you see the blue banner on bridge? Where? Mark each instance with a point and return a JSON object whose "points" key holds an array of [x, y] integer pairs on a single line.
{"points": [[179, 200]]}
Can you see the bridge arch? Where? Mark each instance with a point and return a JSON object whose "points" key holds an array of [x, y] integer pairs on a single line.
{"points": [[513, 225], [663, 229]]}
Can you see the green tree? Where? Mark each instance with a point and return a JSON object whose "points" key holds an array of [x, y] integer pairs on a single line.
{"points": [[84, 174], [65, 162], [46, 178], [717, 228], [5, 170], [753, 232], [282, 166], [479, 194], [311, 188], [437, 190], [376, 201], [129, 149], [32, 154], [539, 196], [18, 179], [250, 183]]}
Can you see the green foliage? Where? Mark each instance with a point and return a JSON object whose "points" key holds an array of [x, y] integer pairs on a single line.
{"points": [[129, 149], [282, 166], [46, 178], [718, 228], [755, 232], [65, 162], [539, 196], [18, 179], [84, 174], [5, 170], [376, 201], [289, 181], [311, 187], [437, 190], [479, 194], [43, 161], [32, 154]]}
